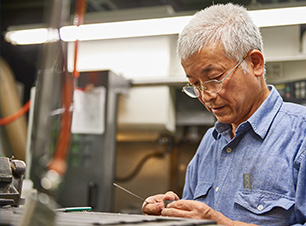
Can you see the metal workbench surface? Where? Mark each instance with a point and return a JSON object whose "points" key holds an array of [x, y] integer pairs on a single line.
{"points": [[13, 216]]}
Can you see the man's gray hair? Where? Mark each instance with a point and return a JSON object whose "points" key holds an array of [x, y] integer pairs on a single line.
{"points": [[229, 25]]}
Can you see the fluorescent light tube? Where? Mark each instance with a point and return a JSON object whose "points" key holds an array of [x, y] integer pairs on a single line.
{"points": [[32, 36], [147, 27], [279, 17], [125, 29]]}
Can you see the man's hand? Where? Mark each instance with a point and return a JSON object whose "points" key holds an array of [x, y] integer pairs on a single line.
{"points": [[155, 204], [189, 209], [197, 210]]}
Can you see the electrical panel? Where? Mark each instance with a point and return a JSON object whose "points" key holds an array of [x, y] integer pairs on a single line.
{"points": [[294, 91]]}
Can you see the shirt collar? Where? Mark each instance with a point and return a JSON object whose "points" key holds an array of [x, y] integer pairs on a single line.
{"points": [[261, 120]]}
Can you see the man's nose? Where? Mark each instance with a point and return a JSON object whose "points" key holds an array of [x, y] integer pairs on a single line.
{"points": [[206, 96]]}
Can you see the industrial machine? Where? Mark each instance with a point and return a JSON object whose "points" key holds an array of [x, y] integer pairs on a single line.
{"points": [[11, 178], [90, 173]]}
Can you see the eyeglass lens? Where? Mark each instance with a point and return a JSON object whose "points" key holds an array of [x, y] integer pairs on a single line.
{"points": [[191, 91], [210, 87]]}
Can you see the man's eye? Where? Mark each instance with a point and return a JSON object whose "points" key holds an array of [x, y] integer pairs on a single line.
{"points": [[218, 77], [196, 84]]}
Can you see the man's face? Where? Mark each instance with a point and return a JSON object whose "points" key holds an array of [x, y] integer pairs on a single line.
{"points": [[238, 99]]}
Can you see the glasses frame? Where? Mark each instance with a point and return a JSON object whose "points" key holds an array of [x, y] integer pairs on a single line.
{"points": [[204, 88]]}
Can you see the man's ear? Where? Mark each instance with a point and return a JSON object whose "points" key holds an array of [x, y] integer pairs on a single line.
{"points": [[257, 62]]}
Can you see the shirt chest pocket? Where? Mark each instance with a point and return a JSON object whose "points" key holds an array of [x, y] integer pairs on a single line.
{"points": [[268, 205], [202, 190]]}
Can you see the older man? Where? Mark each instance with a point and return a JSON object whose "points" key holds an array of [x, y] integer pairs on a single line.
{"points": [[250, 168]]}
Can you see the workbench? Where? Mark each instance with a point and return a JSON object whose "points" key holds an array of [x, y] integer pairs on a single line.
{"points": [[12, 216]]}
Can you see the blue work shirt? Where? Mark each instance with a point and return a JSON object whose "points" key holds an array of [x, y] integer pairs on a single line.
{"points": [[259, 176]]}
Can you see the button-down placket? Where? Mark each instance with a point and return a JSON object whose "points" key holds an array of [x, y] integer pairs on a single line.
{"points": [[224, 167]]}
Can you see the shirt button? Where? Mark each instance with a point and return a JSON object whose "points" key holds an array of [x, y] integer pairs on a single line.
{"points": [[217, 189], [228, 150], [260, 207]]}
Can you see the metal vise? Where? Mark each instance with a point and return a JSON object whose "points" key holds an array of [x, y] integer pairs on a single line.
{"points": [[11, 177]]}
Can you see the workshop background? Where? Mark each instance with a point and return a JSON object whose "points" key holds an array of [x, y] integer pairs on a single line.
{"points": [[157, 127]]}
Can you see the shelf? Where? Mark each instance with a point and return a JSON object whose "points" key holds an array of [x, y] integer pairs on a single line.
{"points": [[286, 58], [167, 81]]}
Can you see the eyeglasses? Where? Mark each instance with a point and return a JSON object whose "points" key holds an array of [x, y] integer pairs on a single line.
{"points": [[212, 86]]}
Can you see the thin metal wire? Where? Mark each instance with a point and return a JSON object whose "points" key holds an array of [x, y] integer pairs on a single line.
{"points": [[131, 193]]}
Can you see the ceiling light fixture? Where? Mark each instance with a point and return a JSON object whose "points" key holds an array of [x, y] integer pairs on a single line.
{"points": [[279, 16], [147, 27], [32, 36], [125, 29]]}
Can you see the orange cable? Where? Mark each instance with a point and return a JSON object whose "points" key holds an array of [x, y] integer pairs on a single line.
{"points": [[58, 163], [78, 20], [25, 108]]}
